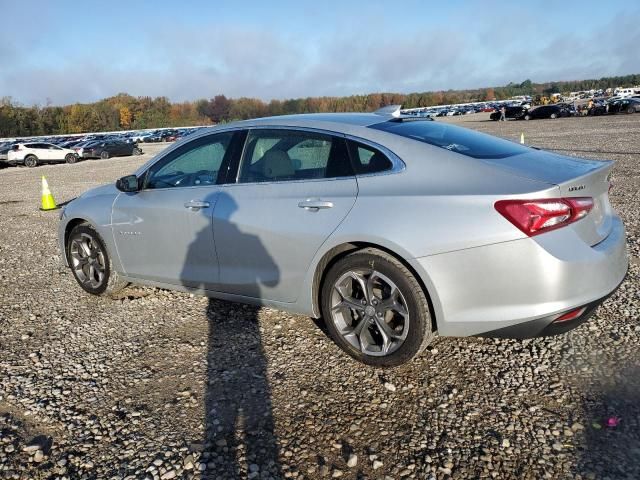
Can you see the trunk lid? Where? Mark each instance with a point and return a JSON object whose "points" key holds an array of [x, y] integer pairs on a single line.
{"points": [[575, 177]]}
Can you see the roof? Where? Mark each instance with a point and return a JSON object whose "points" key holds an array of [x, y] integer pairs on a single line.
{"points": [[355, 119]]}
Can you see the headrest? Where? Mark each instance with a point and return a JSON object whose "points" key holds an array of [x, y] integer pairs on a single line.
{"points": [[277, 163]]}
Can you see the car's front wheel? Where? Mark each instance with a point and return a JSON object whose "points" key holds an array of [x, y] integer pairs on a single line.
{"points": [[90, 262], [553, 116], [104, 155], [527, 117], [70, 158], [375, 309]]}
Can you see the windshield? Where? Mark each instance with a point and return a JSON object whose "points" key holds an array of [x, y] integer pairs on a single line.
{"points": [[457, 139]]}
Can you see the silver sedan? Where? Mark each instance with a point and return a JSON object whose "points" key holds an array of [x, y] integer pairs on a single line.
{"points": [[392, 229]]}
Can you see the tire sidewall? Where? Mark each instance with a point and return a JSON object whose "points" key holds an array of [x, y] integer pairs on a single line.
{"points": [[78, 230], [419, 317]]}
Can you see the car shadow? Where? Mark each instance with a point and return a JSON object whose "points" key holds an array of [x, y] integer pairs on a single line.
{"points": [[240, 439]]}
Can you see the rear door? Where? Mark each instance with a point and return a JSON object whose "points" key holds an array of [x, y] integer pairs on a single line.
{"points": [[55, 152], [293, 189]]}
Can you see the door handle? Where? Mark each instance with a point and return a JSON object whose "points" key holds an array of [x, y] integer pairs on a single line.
{"points": [[314, 205], [196, 204]]}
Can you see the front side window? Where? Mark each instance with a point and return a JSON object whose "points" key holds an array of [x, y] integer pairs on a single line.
{"points": [[288, 155], [195, 164]]}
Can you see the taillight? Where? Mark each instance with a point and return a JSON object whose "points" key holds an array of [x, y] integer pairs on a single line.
{"points": [[539, 216]]}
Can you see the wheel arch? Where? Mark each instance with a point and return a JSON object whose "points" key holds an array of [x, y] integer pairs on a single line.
{"points": [[71, 224], [338, 252]]}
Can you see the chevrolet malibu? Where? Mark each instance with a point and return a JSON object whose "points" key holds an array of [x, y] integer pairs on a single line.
{"points": [[392, 229]]}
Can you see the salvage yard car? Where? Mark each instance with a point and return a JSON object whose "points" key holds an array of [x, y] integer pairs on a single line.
{"points": [[391, 228], [547, 111], [33, 154], [512, 112], [624, 105], [110, 148]]}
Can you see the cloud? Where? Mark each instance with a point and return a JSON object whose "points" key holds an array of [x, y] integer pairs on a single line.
{"points": [[185, 63]]}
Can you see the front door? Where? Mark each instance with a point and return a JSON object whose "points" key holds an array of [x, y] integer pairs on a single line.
{"points": [[164, 232], [293, 190]]}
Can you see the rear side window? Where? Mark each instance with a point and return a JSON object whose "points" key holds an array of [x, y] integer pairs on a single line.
{"points": [[278, 155], [456, 139], [367, 159]]}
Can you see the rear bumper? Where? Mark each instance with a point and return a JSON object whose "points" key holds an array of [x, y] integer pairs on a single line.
{"points": [[518, 288], [547, 326]]}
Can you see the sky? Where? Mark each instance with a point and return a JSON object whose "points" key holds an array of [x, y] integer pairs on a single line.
{"points": [[65, 52]]}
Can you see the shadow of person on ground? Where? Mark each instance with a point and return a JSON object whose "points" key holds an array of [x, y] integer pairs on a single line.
{"points": [[240, 440]]}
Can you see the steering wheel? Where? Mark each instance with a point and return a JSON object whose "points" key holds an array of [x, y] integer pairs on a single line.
{"points": [[204, 177]]}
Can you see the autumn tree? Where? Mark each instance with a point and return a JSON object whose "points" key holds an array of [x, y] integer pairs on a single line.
{"points": [[125, 118]]}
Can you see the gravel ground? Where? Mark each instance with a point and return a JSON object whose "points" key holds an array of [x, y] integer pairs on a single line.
{"points": [[158, 384]]}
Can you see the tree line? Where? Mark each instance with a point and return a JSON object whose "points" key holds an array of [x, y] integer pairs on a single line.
{"points": [[125, 112]]}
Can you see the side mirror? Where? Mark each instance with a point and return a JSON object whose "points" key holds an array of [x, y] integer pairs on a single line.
{"points": [[128, 184]]}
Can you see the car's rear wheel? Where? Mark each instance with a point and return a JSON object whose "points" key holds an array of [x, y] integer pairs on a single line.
{"points": [[527, 117], [375, 309], [70, 158], [137, 151], [90, 262], [631, 110], [553, 115], [30, 161], [104, 155]]}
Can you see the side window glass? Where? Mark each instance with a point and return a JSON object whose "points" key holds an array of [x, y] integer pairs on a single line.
{"points": [[196, 164], [288, 155], [367, 159]]}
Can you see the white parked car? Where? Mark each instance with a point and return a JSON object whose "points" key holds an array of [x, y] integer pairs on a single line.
{"points": [[34, 153]]}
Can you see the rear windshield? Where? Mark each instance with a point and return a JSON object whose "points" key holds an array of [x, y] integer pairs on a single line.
{"points": [[457, 139]]}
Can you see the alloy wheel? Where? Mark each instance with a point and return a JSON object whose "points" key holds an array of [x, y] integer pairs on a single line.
{"points": [[370, 312], [87, 260]]}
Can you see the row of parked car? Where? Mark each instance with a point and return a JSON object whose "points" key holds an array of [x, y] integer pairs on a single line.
{"points": [[70, 149], [558, 110]]}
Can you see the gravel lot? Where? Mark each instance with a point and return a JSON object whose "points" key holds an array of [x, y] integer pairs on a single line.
{"points": [[157, 384]]}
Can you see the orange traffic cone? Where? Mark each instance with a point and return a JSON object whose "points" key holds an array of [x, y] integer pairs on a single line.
{"points": [[48, 203]]}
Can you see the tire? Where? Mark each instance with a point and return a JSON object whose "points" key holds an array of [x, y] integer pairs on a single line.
{"points": [[137, 151], [70, 158], [527, 117], [30, 161], [93, 271], [104, 155], [553, 116], [342, 286], [631, 110]]}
